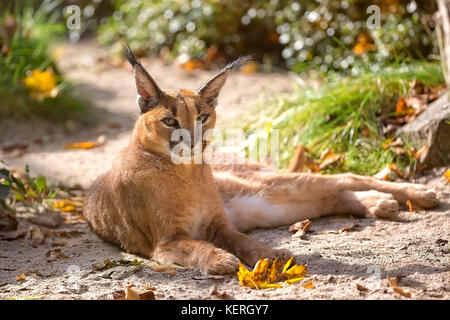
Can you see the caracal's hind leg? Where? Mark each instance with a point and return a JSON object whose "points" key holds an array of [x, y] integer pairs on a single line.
{"points": [[366, 203], [315, 186], [266, 199]]}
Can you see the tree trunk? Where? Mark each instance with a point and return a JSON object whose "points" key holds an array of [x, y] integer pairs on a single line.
{"points": [[443, 33]]}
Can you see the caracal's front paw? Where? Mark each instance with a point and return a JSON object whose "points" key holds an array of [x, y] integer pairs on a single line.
{"points": [[222, 263], [422, 196]]}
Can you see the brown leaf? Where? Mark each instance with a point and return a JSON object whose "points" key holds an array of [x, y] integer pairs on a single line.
{"points": [[422, 150], [162, 268], [107, 264], [410, 207], [328, 158], [299, 229], [355, 227], [361, 288], [193, 64], [308, 285], [393, 283], [16, 149], [402, 109], [114, 125], [224, 295], [386, 172], [21, 277], [119, 294], [132, 293], [56, 254]]}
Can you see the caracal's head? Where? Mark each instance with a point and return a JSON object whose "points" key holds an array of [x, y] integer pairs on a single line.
{"points": [[165, 115]]}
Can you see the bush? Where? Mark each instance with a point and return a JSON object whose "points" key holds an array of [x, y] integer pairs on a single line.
{"points": [[30, 83], [346, 115], [330, 34]]}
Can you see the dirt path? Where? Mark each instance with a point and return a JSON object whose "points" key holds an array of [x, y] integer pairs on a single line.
{"points": [[414, 245]]}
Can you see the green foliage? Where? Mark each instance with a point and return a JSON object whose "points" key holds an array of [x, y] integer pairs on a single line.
{"points": [[23, 188], [343, 114], [301, 33], [25, 36]]}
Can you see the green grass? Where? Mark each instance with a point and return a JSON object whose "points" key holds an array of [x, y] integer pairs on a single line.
{"points": [[338, 113], [26, 33]]}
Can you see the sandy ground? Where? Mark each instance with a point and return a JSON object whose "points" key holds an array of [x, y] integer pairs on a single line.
{"points": [[414, 245]]}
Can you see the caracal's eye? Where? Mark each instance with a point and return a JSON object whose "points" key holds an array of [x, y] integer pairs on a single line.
{"points": [[171, 122], [203, 117]]}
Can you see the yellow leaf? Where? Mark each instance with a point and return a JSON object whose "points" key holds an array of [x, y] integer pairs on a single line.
{"points": [[308, 285], [268, 275], [86, 144], [193, 64], [21, 277], [250, 67], [447, 176], [81, 145], [291, 281], [68, 208], [41, 83]]}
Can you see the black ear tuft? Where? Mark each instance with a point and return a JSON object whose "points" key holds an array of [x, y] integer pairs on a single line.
{"points": [[128, 54], [211, 89], [149, 94]]}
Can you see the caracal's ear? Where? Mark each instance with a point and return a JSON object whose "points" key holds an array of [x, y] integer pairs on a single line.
{"points": [[149, 94], [211, 89]]}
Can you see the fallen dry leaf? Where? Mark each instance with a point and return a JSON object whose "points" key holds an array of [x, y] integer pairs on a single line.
{"points": [[162, 268], [16, 149], [328, 158], [365, 44], [56, 254], [131, 293], [308, 285], [107, 264], [447, 176], [87, 144], [193, 64], [250, 67], [21, 277], [386, 172], [422, 150], [268, 275], [361, 288], [68, 205], [402, 108], [299, 229], [393, 283], [409, 204], [224, 295], [355, 227]]}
